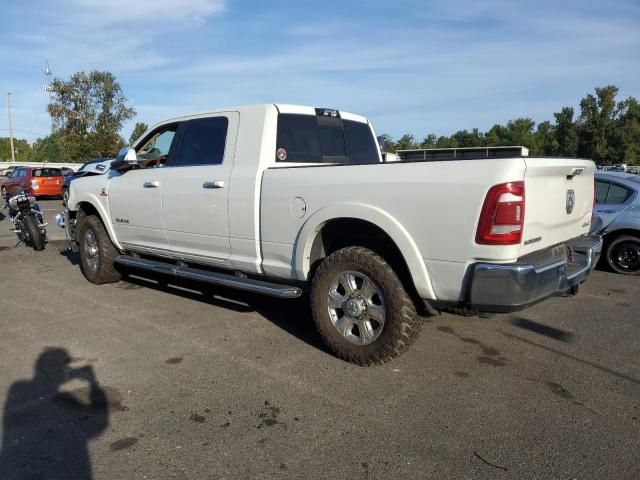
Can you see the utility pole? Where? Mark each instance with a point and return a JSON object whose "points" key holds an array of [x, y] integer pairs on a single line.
{"points": [[13, 153]]}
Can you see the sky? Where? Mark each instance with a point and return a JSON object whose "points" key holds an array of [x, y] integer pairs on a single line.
{"points": [[415, 67]]}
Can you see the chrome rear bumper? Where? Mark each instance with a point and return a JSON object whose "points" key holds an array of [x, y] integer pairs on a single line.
{"points": [[509, 287]]}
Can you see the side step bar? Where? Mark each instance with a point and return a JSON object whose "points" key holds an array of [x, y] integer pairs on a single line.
{"points": [[221, 279]]}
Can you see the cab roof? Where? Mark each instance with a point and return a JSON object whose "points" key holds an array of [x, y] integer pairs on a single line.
{"points": [[261, 108]]}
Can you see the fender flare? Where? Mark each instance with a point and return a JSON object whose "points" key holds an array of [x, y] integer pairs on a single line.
{"points": [[95, 202], [376, 216]]}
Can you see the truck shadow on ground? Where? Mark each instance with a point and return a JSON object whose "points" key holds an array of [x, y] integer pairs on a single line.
{"points": [[65, 251], [542, 329], [292, 316]]}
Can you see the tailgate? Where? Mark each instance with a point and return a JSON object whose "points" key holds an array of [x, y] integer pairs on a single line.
{"points": [[559, 201], [48, 181]]}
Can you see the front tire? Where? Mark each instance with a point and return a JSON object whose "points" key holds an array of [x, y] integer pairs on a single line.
{"points": [[361, 309], [97, 253], [623, 254], [32, 230]]}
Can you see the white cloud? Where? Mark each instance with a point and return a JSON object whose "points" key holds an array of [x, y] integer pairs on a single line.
{"points": [[143, 11]]}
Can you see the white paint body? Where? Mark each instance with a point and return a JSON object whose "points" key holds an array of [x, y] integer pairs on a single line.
{"points": [[268, 214]]}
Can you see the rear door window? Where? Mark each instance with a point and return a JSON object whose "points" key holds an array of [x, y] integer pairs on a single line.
{"points": [[322, 139], [203, 142]]}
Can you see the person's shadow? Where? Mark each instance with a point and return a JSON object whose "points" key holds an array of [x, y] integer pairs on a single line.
{"points": [[45, 431]]}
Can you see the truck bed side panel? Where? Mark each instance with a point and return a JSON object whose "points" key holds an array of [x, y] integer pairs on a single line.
{"points": [[436, 203]]}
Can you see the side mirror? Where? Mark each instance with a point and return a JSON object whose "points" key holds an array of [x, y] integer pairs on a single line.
{"points": [[128, 155]]}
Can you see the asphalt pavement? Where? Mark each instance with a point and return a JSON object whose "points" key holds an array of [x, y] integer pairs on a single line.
{"points": [[149, 378]]}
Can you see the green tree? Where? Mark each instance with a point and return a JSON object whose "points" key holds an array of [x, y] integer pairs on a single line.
{"points": [[520, 132], [496, 136], [465, 138], [627, 135], [88, 111], [388, 142], [545, 141], [429, 141], [21, 147], [566, 133], [597, 124], [607, 130], [47, 149], [446, 142], [138, 130], [406, 142]]}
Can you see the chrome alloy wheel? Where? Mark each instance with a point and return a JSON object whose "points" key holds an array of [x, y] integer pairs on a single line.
{"points": [[91, 250], [356, 307]]}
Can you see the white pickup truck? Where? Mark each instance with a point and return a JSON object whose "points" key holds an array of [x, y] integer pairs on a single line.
{"points": [[283, 199]]}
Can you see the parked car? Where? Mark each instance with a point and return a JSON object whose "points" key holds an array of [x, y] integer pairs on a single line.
{"points": [[97, 166], [618, 220], [38, 181], [7, 171], [283, 199]]}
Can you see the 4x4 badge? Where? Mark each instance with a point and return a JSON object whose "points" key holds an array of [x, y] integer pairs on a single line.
{"points": [[571, 201]]}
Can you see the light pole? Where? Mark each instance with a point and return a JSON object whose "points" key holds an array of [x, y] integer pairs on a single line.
{"points": [[48, 89], [13, 153]]}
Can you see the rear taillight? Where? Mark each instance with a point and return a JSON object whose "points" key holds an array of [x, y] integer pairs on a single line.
{"points": [[502, 216]]}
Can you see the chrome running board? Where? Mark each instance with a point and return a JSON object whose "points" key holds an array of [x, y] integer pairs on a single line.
{"points": [[214, 278]]}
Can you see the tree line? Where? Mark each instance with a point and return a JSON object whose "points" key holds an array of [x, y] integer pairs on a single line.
{"points": [[88, 112], [604, 129]]}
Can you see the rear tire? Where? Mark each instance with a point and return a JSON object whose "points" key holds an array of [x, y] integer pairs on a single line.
{"points": [[361, 309], [36, 240], [97, 253], [623, 254]]}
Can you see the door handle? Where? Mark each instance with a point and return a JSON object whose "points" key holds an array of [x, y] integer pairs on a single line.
{"points": [[153, 184], [215, 184]]}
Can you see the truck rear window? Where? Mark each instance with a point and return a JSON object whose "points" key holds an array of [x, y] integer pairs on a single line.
{"points": [[318, 139], [47, 172]]}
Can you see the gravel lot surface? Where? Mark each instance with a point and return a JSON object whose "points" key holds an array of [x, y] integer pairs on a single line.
{"points": [[144, 379]]}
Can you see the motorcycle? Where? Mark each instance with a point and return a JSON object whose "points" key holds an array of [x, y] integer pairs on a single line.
{"points": [[28, 221]]}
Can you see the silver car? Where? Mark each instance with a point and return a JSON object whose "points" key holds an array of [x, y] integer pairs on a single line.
{"points": [[618, 220]]}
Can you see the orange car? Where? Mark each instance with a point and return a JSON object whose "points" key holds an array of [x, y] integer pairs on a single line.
{"points": [[38, 181]]}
